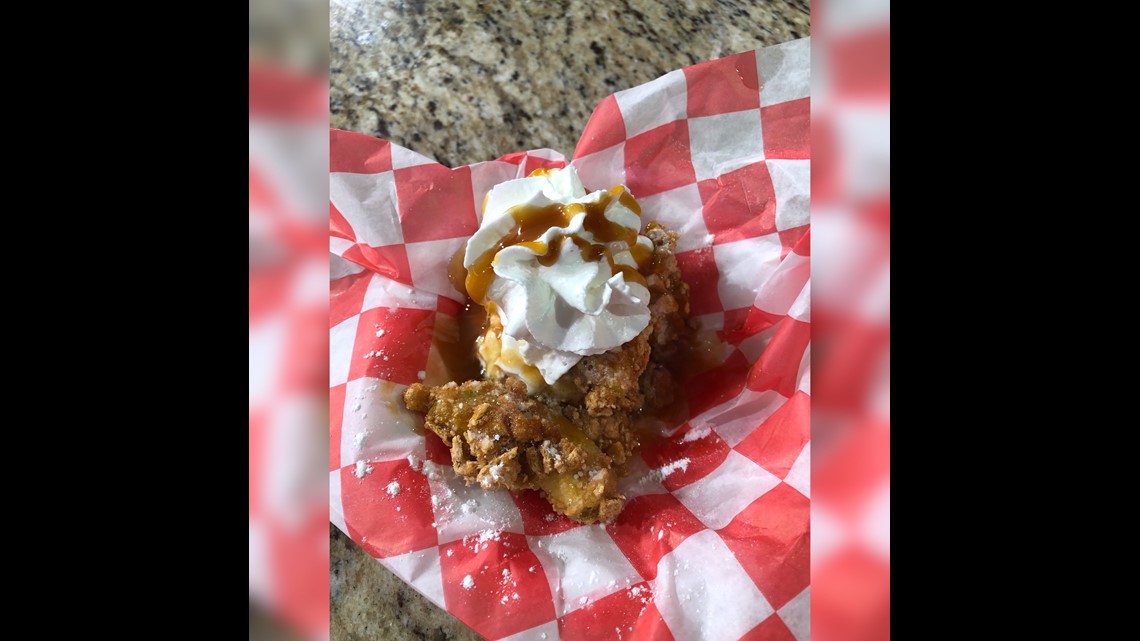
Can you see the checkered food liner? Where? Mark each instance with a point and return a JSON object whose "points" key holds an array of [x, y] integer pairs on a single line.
{"points": [[713, 543]]}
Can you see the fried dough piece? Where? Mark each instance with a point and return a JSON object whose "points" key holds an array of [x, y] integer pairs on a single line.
{"points": [[668, 294], [570, 441], [502, 438], [613, 382], [623, 379]]}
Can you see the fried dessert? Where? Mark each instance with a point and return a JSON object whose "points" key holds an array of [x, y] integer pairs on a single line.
{"points": [[583, 312]]}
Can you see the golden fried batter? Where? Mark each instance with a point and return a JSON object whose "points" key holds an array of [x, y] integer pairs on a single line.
{"points": [[612, 382], [571, 440], [502, 438]]}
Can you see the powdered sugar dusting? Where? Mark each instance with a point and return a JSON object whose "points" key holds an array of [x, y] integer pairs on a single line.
{"points": [[430, 470], [468, 582], [362, 468], [552, 450], [664, 471], [480, 542], [393, 488]]}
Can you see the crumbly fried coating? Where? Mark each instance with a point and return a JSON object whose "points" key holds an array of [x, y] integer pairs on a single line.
{"points": [[570, 441], [669, 295], [502, 438], [608, 383], [612, 383]]}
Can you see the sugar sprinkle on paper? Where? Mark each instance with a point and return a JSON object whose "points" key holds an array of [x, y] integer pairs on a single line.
{"points": [[664, 471]]}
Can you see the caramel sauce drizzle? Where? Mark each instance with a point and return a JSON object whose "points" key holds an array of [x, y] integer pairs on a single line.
{"points": [[532, 222]]}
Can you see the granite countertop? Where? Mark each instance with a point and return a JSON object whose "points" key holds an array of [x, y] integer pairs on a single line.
{"points": [[463, 84]]}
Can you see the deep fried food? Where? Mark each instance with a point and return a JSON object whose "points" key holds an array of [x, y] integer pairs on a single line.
{"points": [[570, 441], [502, 438]]}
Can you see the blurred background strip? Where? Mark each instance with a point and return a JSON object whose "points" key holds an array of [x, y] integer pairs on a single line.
{"points": [[851, 320], [288, 319]]}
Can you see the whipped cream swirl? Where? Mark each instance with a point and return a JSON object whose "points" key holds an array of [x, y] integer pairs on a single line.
{"points": [[561, 269]]}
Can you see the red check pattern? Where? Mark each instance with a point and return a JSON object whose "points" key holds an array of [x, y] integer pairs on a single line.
{"points": [[713, 543], [287, 571]]}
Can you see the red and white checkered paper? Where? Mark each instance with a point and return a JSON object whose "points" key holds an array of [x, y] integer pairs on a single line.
{"points": [[713, 543], [287, 308]]}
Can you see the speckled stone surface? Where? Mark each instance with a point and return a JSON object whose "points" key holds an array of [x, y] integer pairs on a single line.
{"points": [[463, 84], [369, 602]]}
